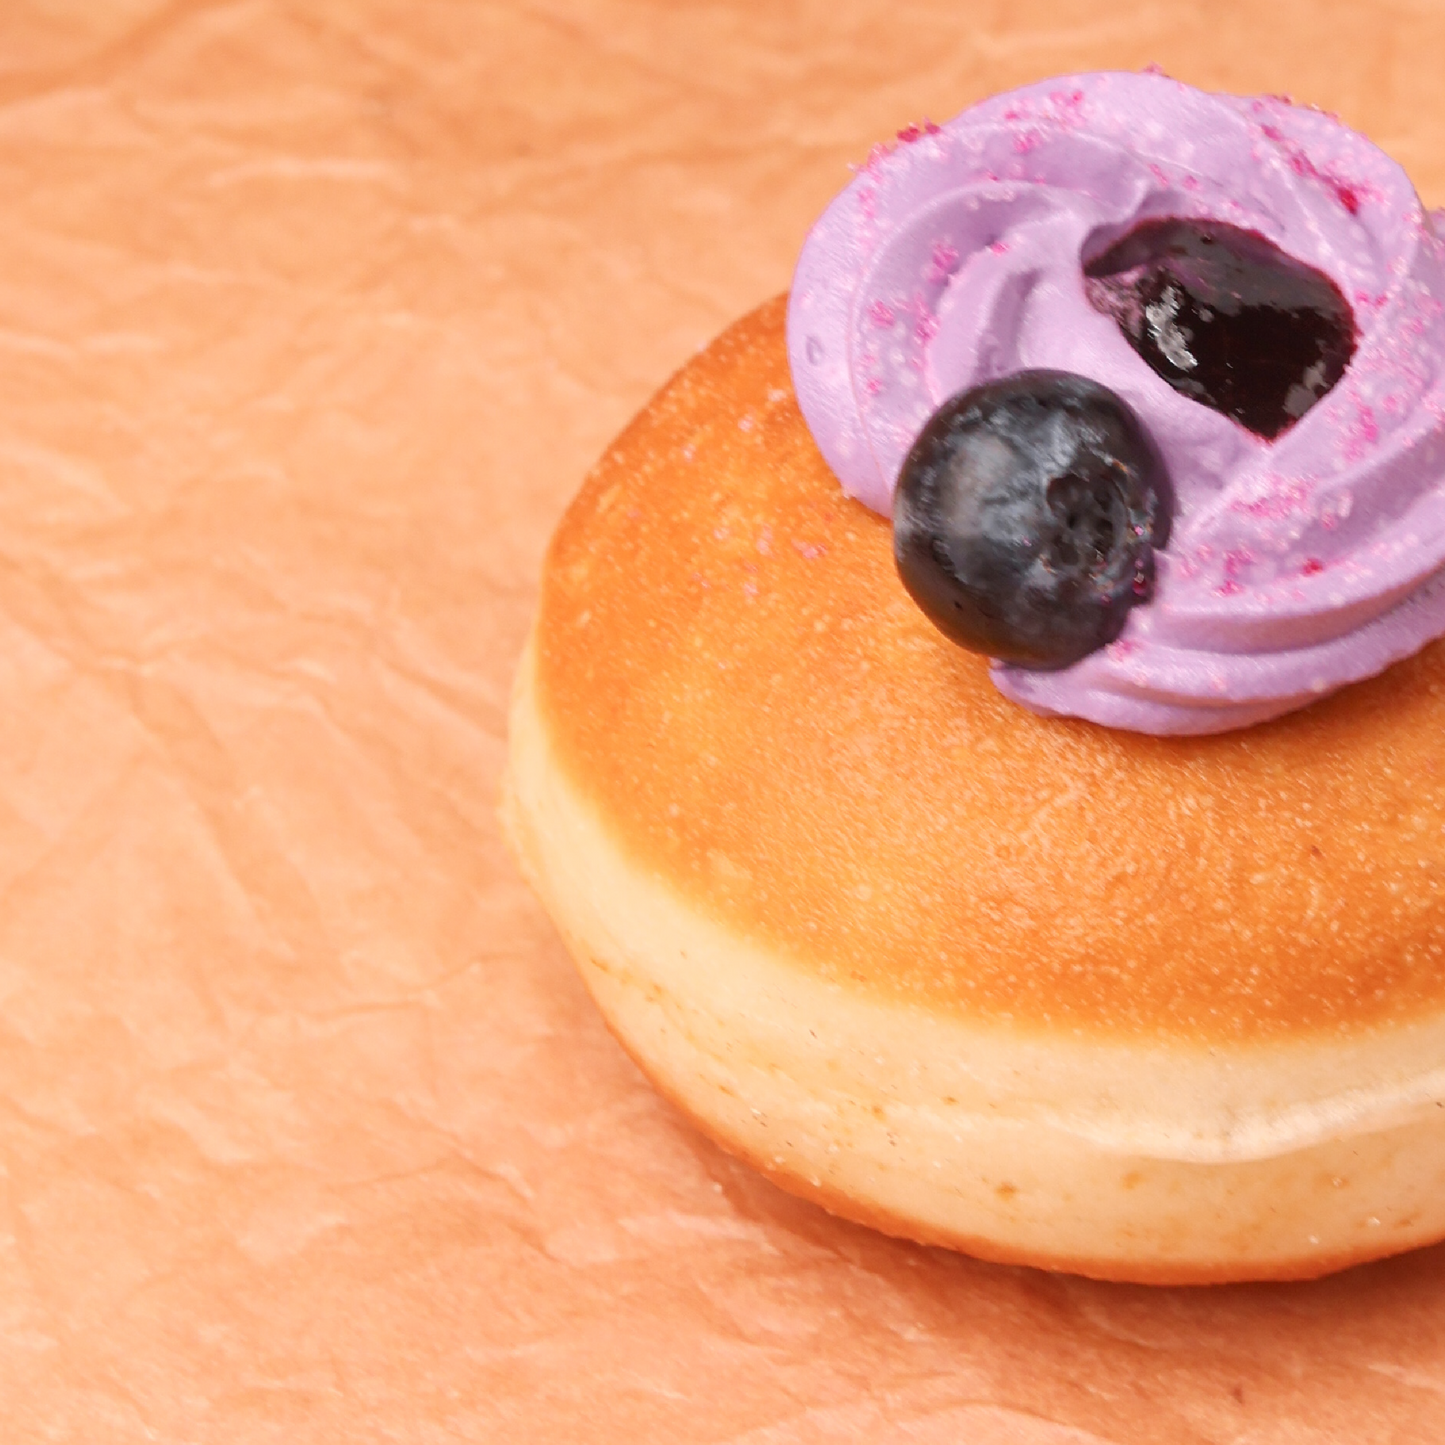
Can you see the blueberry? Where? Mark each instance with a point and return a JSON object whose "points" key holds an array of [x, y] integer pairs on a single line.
{"points": [[1026, 517], [1226, 317]]}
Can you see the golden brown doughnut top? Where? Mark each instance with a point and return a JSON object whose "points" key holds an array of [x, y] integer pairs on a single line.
{"points": [[734, 676]]}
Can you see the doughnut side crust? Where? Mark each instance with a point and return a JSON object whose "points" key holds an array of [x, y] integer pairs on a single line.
{"points": [[1155, 1165]]}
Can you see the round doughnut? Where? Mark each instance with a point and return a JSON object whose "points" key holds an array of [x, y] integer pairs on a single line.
{"points": [[1142, 1008]]}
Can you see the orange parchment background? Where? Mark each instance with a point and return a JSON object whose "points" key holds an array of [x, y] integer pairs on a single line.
{"points": [[312, 315]]}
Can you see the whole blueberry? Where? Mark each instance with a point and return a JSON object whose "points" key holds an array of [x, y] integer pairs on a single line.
{"points": [[1026, 517]]}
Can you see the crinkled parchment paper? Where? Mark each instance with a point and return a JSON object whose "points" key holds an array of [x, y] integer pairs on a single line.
{"points": [[312, 316]]}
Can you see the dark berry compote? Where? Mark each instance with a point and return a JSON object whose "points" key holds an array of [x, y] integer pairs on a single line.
{"points": [[1226, 317]]}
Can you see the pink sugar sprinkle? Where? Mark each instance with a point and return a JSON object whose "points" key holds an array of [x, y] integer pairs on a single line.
{"points": [[873, 386], [1348, 194], [926, 328], [1359, 438], [1229, 588], [1281, 500], [1236, 560], [1070, 103], [941, 263], [1312, 566], [912, 132], [880, 313]]}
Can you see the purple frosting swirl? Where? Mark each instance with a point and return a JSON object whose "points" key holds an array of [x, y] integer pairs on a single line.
{"points": [[1296, 565]]}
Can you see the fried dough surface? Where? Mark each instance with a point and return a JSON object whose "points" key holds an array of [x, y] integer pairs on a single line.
{"points": [[734, 677]]}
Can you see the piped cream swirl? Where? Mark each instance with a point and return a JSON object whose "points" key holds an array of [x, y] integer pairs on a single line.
{"points": [[1294, 566]]}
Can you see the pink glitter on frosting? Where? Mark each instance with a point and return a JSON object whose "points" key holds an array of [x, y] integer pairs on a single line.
{"points": [[1294, 566], [942, 263]]}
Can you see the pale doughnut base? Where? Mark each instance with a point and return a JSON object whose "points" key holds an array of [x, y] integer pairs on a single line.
{"points": [[1157, 1165]]}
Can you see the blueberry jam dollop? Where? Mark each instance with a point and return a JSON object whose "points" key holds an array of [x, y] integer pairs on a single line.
{"points": [[1026, 516], [1226, 317]]}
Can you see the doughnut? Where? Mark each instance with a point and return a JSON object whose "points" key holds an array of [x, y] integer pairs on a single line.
{"points": [[1163, 1007]]}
